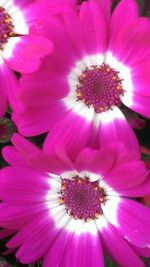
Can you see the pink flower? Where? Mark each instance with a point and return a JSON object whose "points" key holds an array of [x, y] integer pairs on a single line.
{"points": [[100, 63], [19, 49], [64, 211]]}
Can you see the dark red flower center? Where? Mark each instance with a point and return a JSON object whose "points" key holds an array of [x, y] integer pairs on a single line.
{"points": [[6, 27], [82, 198], [100, 87]]}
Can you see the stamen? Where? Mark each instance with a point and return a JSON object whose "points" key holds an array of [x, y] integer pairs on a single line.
{"points": [[100, 87], [82, 199], [6, 27]]}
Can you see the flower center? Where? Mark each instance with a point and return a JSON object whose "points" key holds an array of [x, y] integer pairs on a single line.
{"points": [[100, 87], [6, 27], [82, 198]]}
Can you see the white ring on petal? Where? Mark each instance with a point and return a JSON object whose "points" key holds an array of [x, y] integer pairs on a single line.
{"points": [[9, 47], [93, 177], [101, 223], [63, 221], [107, 189], [124, 73], [110, 208], [69, 174]]}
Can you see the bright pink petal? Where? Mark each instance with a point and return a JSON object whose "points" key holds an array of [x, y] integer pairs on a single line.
{"points": [[106, 6], [35, 121], [23, 186], [118, 249], [82, 251], [140, 76], [138, 191], [9, 87], [16, 217], [133, 222], [12, 157], [74, 30], [114, 128], [72, 132], [121, 19], [34, 239], [27, 53], [42, 8], [92, 18], [5, 233], [125, 177], [131, 48], [142, 252], [27, 154], [44, 87], [141, 105], [97, 161]]}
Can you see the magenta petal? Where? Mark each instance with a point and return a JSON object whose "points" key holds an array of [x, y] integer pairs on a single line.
{"points": [[5, 233], [121, 19], [23, 186], [72, 132], [82, 251], [27, 154], [24, 146], [35, 238], [142, 252], [16, 217], [106, 6], [44, 87], [8, 87], [141, 105], [124, 176], [12, 156], [138, 191], [92, 17], [28, 52], [97, 161], [133, 222], [118, 249], [36, 121]]}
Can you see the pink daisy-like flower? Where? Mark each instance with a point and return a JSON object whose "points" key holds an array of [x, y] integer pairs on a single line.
{"points": [[100, 63], [19, 49], [69, 212]]}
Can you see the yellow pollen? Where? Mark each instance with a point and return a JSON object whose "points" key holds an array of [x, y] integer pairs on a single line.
{"points": [[61, 200], [118, 87], [108, 69], [11, 34], [5, 36], [79, 94], [83, 75], [79, 181], [114, 78], [63, 187], [96, 188], [7, 20], [101, 108], [96, 215], [101, 199]]}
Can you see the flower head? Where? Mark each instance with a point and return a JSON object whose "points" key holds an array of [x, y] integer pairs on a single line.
{"points": [[66, 211], [20, 50], [99, 66]]}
